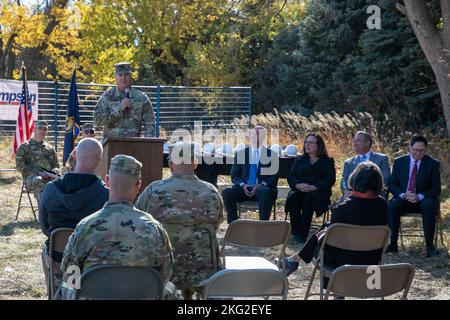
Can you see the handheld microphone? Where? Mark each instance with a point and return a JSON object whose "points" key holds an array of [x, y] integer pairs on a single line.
{"points": [[127, 93]]}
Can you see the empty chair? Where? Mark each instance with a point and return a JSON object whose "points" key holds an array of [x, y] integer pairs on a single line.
{"points": [[255, 234], [111, 282], [58, 240], [246, 283], [361, 281], [348, 237]]}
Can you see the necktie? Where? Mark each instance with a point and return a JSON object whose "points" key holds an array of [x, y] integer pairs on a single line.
{"points": [[412, 179], [253, 169]]}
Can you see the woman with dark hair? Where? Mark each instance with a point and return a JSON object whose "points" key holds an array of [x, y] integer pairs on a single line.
{"points": [[364, 207], [311, 178]]}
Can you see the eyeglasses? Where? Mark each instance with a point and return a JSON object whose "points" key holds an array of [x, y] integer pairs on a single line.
{"points": [[310, 142]]}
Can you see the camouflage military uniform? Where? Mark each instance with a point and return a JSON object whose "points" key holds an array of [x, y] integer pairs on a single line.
{"points": [[118, 234], [71, 159], [117, 123], [187, 207], [33, 157]]}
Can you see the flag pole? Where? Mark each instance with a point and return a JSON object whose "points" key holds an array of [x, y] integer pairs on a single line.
{"points": [[25, 85]]}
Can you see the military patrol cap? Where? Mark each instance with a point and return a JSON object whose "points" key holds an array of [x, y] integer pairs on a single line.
{"points": [[87, 126], [123, 67], [125, 165], [41, 124], [184, 151]]}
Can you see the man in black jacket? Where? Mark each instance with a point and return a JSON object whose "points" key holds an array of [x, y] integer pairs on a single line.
{"points": [[254, 175], [72, 197], [416, 185]]}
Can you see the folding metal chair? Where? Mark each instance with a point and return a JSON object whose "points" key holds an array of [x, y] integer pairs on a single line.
{"points": [[196, 233], [114, 282], [418, 232], [58, 241], [376, 281], [23, 190], [347, 237], [255, 234], [246, 283]]}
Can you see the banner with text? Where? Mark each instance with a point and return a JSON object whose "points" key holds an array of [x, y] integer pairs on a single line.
{"points": [[10, 96]]}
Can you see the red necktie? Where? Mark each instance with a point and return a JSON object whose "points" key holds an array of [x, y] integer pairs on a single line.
{"points": [[412, 179]]}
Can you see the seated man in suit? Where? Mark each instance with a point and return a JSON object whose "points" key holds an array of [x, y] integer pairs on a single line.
{"points": [[254, 175], [416, 185], [362, 144]]}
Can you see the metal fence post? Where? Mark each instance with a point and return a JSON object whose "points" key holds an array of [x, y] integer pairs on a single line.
{"points": [[250, 107], [158, 107], [56, 116]]}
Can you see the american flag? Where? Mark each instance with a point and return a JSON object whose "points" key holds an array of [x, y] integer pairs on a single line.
{"points": [[25, 121]]}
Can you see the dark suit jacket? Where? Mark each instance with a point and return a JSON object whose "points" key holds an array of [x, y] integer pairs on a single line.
{"points": [[428, 180], [240, 172], [362, 212], [321, 174]]}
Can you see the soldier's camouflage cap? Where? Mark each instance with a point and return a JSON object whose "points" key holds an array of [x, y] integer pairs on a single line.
{"points": [[123, 67], [87, 126], [125, 165], [41, 124]]}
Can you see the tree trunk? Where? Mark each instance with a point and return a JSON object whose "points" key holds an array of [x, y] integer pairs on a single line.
{"points": [[435, 45], [37, 59], [443, 82]]}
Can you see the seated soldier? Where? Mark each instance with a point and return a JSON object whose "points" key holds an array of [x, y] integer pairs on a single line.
{"points": [[67, 200], [118, 234], [87, 131], [184, 204], [37, 161]]}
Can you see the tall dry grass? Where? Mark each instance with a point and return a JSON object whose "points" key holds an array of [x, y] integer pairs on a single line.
{"points": [[6, 159], [338, 130]]}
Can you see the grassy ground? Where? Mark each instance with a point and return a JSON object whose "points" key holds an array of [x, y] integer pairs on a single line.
{"points": [[21, 275]]}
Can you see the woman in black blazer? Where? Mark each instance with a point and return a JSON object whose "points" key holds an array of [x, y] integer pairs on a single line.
{"points": [[364, 207], [311, 178]]}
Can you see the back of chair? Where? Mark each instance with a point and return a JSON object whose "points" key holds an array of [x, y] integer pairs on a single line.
{"points": [[253, 233], [246, 283], [371, 281], [108, 282], [357, 238], [58, 241]]}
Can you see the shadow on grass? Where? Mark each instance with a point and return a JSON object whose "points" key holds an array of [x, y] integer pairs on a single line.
{"points": [[9, 228], [413, 252], [9, 180]]}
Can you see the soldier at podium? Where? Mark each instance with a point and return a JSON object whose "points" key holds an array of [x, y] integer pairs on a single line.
{"points": [[123, 110]]}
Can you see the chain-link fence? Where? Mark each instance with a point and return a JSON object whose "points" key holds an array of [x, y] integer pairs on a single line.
{"points": [[174, 107]]}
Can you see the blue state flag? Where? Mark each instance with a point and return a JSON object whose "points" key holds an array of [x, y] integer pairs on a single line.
{"points": [[72, 120]]}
